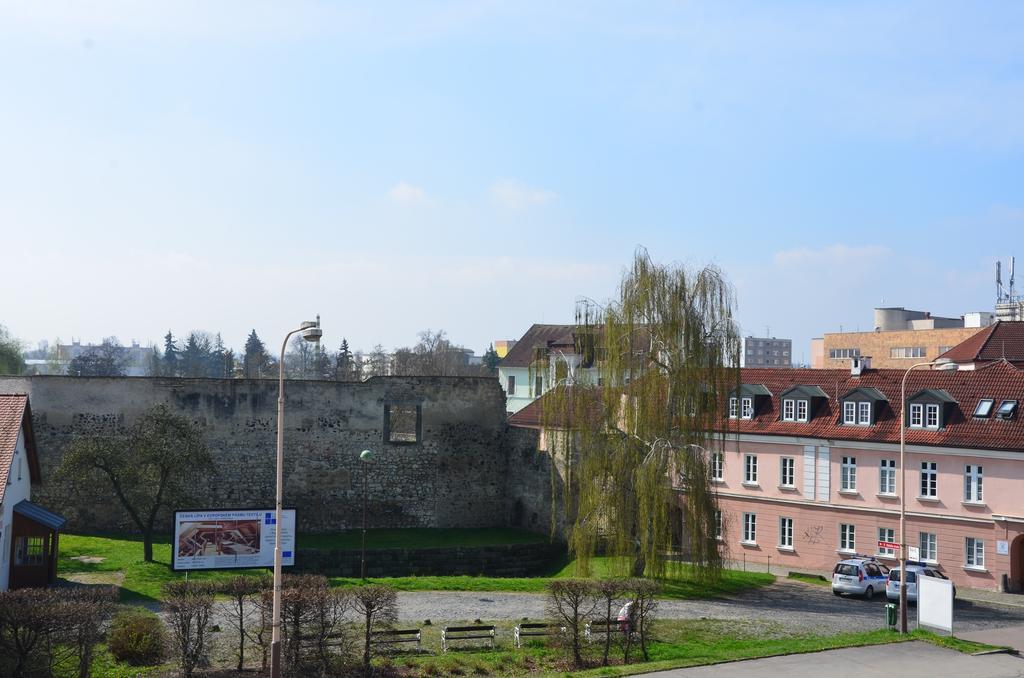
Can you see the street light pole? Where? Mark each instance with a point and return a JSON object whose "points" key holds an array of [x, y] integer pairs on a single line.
{"points": [[945, 365], [310, 332], [366, 456]]}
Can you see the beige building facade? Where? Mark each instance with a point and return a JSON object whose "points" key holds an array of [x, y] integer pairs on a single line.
{"points": [[887, 349]]}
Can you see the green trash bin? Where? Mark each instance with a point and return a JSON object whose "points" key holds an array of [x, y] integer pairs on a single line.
{"points": [[890, 615]]}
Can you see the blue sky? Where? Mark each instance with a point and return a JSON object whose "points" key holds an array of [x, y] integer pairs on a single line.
{"points": [[478, 166]]}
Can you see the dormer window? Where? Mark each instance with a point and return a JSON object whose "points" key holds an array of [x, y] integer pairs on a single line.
{"points": [[864, 413], [799, 403], [984, 408], [930, 409], [1007, 409], [745, 401], [794, 410], [861, 406]]}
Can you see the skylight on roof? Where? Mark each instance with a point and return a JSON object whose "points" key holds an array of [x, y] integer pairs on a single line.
{"points": [[984, 408], [1007, 409]]}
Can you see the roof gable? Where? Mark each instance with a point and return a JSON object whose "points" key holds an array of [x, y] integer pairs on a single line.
{"points": [[936, 395], [15, 418], [864, 393], [804, 391], [1003, 340], [750, 391]]}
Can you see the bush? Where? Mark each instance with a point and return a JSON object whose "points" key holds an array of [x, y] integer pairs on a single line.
{"points": [[188, 606], [138, 637]]}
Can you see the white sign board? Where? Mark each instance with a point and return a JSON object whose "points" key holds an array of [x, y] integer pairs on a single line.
{"points": [[913, 553], [1002, 547], [935, 603], [210, 540]]}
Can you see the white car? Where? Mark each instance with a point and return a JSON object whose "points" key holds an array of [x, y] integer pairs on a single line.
{"points": [[862, 576], [892, 587]]}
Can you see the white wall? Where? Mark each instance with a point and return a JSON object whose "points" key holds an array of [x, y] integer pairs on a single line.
{"points": [[15, 492]]}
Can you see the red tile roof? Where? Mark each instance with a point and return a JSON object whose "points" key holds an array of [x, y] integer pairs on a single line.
{"points": [[521, 355], [1003, 340], [15, 416], [999, 381]]}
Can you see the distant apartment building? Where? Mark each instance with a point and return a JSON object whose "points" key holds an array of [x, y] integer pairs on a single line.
{"points": [[767, 352], [134, 360], [900, 338]]}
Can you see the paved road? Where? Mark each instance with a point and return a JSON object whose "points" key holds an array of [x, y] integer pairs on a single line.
{"points": [[1008, 636], [906, 660], [793, 604]]}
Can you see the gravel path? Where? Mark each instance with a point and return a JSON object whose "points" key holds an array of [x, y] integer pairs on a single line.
{"points": [[792, 605]]}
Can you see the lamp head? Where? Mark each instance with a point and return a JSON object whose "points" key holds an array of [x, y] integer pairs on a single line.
{"points": [[366, 455], [311, 330]]}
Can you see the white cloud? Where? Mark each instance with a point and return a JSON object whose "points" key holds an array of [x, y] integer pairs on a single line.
{"points": [[517, 195], [832, 255], [404, 192]]}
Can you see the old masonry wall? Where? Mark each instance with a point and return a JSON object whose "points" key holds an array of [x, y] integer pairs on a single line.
{"points": [[467, 470]]}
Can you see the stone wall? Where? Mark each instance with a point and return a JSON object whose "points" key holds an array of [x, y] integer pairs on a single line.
{"points": [[456, 476], [512, 560]]}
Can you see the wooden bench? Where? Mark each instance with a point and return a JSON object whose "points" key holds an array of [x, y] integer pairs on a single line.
{"points": [[597, 627], [535, 629], [393, 637], [450, 634]]}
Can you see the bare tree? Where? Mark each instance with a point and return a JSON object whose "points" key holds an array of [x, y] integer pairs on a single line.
{"points": [[609, 593], [570, 602], [243, 591], [645, 602], [188, 606], [378, 607]]}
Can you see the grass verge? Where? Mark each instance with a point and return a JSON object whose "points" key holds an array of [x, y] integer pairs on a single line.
{"points": [[815, 579], [141, 581]]}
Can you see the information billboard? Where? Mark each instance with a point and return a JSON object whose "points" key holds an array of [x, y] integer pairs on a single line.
{"points": [[217, 539]]}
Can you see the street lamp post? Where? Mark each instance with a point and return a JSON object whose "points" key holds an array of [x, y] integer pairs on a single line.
{"points": [[310, 332], [940, 364], [366, 456]]}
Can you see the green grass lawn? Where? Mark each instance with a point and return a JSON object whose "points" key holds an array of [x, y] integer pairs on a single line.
{"points": [[139, 580], [815, 579], [419, 538]]}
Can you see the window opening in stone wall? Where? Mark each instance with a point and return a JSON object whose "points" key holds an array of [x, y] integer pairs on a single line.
{"points": [[402, 423]]}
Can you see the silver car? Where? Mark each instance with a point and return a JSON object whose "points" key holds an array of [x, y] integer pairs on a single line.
{"points": [[859, 576], [892, 587]]}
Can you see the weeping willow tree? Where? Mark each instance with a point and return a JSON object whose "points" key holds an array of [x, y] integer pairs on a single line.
{"points": [[635, 413]]}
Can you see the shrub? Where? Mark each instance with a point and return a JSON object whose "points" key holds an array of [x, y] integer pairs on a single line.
{"points": [[137, 636], [570, 602], [377, 605], [188, 606]]}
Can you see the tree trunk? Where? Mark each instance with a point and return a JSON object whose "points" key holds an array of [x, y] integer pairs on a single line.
{"points": [[366, 643], [639, 564], [147, 546]]}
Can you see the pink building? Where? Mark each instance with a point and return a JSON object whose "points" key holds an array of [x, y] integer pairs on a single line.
{"points": [[809, 469]]}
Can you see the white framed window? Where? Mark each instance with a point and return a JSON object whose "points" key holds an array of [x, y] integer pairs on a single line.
{"points": [[718, 524], [929, 479], [787, 471], [849, 412], [801, 410], [750, 469], [916, 415], [929, 547], [887, 476], [864, 413], [511, 385], [886, 534], [788, 409], [848, 475], [734, 408], [717, 466], [749, 528], [972, 483], [975, 552], [847, 537], [746, 408], [786, 532], [931, 416]]}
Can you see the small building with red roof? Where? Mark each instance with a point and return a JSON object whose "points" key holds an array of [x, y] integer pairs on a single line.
{"points": [[28, 532]]}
